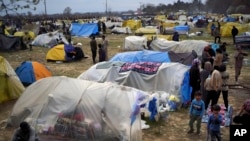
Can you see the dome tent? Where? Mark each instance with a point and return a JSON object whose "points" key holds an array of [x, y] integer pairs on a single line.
{"points": [[31, 71], [71, 108]]}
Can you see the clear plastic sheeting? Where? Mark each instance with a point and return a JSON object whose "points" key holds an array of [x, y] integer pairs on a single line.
{"points": [[62, 108]]}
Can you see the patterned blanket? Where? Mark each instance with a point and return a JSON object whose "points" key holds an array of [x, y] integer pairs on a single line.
{"points": [[141, 67], [226, 115]]}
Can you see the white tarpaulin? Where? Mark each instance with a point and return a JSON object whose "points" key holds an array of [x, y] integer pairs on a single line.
{"points": [[49, 39], [67, 108], [146, 76], [135, 43], [179, 47], [121, 30]]}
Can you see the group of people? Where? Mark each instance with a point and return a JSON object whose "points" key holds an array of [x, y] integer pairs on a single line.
{"points": [[102, 49], [208, 82]]}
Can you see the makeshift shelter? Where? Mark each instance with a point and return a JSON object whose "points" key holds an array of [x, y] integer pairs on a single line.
{"points": [[171, 78], [133, 24], [84, 30], [8, 43], [182, 29], [179, 47], [31, 71], [65, 108], [49, 39], [135, 43], [147, 30], [226, 29], [154, 56], [121, 30], [10, 85], [64, 53]]}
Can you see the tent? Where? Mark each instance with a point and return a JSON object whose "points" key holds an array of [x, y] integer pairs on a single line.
{"points": [[8, 43], [121, 30], [135, 43], [31, 71], [84, 30], [147, 30], [65, 53], [133, 24], [179, 47], [182, 29], [49, 39], [154, 56], [10, 86], [65, 108], [171, 78], [227, 28]]}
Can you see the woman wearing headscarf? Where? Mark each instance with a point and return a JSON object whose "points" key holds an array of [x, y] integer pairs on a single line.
{"points": [[218, 59], [244, 115], [203, 76], [194, 77], [206, 56], [212, 85]]}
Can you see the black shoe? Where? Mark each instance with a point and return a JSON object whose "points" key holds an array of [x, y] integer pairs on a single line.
{"points": [[190, 131]]}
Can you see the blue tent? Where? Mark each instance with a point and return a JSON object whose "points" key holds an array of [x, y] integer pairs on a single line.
{"points": [[154, 56], [181, 29], [84, 30]]}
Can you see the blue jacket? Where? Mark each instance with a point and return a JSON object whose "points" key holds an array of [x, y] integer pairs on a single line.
{"points": [[197, 108], [213, 124]]}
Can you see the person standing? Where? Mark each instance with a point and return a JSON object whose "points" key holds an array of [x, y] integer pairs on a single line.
{"points": [[217, 35], [212, 85], [203, 76], [194, 75], [101, 53], [234, 32], [196, 112], [212, 27], [214, 122], [224, 87], [239, 56], [175, 37], [218, 59], [105, 46], [93, 46]]}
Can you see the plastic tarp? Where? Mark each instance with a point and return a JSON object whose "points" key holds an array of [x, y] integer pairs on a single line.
{"points": [[133, 24], [226, 29], [179, 47], [65, 108], [242, 39], [84, 30], [49, 39], [28, 35], [141, 56], [146, 76], [135, 43], [121, 30], [182, 29], [31, 71], [8, 43], [147, 30], [10, 86]]}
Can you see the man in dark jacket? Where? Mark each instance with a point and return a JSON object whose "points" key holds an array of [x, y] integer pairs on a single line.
{"points": [[93, 46], [235, 32]]}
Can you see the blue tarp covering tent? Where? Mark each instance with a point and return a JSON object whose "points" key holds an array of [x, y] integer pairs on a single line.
{"points": [[154, 56], [141, 56], [84, 30], [181, 29]]}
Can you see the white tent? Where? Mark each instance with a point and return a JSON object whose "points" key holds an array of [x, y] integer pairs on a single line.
{"points": [[179, 47], [135, 43], [62, 107], [49, 39], [146, 76], [121, 30]]}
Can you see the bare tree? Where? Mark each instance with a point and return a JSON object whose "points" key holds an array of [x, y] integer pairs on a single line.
{"points": [[67, 11], [15, 5]]}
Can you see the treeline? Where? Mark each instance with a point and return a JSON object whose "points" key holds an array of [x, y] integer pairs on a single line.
{"points": [[196, 6]]}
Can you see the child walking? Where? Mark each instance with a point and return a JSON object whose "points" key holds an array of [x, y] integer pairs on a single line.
{"points": [[196, 112], [214, 122]]}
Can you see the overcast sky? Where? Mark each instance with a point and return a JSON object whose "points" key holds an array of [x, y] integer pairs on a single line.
{"points": [[57, 6]]}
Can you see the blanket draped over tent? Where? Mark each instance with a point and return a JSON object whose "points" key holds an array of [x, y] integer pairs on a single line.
{"points": [[10, 85], [80, 109], [172, 78]]}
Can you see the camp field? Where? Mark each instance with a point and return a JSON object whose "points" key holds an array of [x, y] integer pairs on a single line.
{"points": [[173, 129]]}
